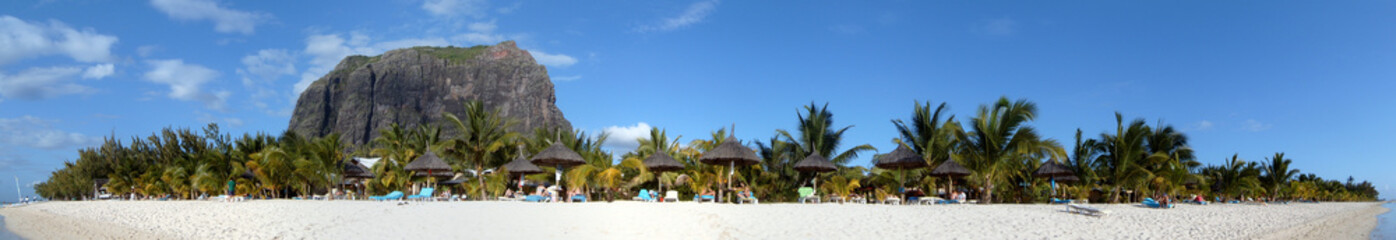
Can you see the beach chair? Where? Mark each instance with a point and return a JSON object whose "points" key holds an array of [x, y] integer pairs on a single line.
{"points": [[671, 196], [1085, 210], [750, 198], [644, 196], [835, 198], [928, 200], [395, 195], [892, 200], [535, 198], [1061, 201], [807, 194], [426, 193], [579, 198], [704, 198], [1149, 202], [858, 200]]}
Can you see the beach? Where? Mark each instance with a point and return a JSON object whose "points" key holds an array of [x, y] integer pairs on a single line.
{"points": [[300, 219]]}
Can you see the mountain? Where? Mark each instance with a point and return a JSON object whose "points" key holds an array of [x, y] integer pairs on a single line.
{"points": [[414, 86]]}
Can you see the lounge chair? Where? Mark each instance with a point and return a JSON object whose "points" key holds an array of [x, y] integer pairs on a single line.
{"points": [[835, 198], [949, 201], [644, 196], [704, 198], [395, 195], [1061, 201], [750, 198], [425, 194], [858, 200], [579, 198], [807, 194], [892, 200], [1085, 210], [671, 196], [535, 198], [928, 200], [1149, 202]]}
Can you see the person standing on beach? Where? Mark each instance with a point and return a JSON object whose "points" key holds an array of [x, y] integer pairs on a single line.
{"points": [[231, 187]]}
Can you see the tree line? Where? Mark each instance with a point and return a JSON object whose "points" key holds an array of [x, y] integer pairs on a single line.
{"points": [[998, 145]]}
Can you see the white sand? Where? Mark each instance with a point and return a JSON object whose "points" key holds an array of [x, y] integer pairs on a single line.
{"points": [[289, 219]]}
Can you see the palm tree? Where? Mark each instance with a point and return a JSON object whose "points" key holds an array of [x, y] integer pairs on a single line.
{"points": [[817, 135], [272, 167], [999, 135], [927, 135], [1122, 155], [1277, 173], [393, 146], [483, 134]]}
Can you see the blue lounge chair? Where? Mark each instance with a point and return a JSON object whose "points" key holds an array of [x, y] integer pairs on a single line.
{"points": [[1149, 202], [1061, 201], [579, 197], [426, 193], [704, 198], [395, 195], [644, 196], [535, 198], [750, 198], [947, 201]]}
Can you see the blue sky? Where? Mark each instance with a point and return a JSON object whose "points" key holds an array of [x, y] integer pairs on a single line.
{"points": [[1311, 79]]}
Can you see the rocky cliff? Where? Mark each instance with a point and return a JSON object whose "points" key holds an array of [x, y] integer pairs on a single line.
{"points": [[414, 86]]}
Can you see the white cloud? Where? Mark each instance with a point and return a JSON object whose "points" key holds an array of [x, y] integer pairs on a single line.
{"points": [[509, 9], [145, 51], [30, 131], [266, 66], [627, 137], [99, 71], [43, 83], [1000, 27], [451, 8], [186, 81], [567, 78], [1255, 126], [1204, 125], [482, 26], [20, 40], [695, 13], [552, 60], [225, 20]]}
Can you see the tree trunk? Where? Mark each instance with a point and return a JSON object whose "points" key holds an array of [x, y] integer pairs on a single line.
{"points": [[1115, 195], [988, 195], [480, 177]]}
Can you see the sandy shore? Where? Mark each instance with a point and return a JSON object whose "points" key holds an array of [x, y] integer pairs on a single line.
{"points": [[289, 219]]}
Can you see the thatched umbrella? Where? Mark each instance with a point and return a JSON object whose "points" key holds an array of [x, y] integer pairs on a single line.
{"points": [[355, 171], [559, 157], [1052, 170], [520, 166], [429, 165], [660, 162], [815, 163], [950, 170], [732, 154], [901, 159]]}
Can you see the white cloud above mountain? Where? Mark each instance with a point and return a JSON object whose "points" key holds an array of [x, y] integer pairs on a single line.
{"points": [[186, 81], [20, 39], [225, 20]]}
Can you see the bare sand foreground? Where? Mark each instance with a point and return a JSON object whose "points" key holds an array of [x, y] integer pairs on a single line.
{"points": [[291, 219]]}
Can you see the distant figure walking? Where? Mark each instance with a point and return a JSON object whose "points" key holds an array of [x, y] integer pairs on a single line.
{"points": [[232, 187]]}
